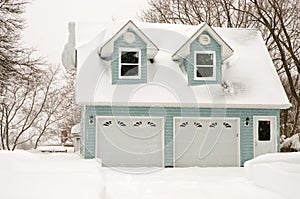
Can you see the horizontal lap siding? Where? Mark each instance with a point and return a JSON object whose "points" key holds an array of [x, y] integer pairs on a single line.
{"points": [[189, 60], [246, 132], [138, 44]]}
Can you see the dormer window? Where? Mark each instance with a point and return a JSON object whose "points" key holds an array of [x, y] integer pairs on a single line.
{"points": [[205, 65], [129, 63]]}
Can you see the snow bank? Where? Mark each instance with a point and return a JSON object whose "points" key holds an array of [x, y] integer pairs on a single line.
{"points": [[35, 175], [292, 158], [279, 173]]}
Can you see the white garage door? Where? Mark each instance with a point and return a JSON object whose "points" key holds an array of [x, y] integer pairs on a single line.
{"points": [[206, 142], [130, 141]]}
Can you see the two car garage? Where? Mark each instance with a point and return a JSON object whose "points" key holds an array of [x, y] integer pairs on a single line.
{"points": [[139, 141]]}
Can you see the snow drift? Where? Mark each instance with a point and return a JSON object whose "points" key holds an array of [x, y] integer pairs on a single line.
{"points": [[279, 173], [33, 175]]}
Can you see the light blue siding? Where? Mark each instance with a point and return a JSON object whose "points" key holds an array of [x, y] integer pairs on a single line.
{"points": [[246, 132], [189, 60], [121, 43], [82, 131]]}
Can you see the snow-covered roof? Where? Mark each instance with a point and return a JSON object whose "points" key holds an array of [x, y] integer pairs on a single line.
{"points": [[107, 48], [184, 50], [251, 79]]}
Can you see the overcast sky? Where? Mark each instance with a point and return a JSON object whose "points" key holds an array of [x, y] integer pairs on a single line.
{"points": [[47, 20]]}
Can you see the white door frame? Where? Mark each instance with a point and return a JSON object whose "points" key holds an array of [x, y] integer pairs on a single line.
{"points": [[211, 118], [142, 117], [273, 133]]}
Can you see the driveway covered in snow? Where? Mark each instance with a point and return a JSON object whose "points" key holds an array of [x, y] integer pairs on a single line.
{"points": [[191, 183], [33, 176]]}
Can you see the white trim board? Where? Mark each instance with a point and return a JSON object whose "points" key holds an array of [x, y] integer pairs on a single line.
{"points": [[187, 105]]}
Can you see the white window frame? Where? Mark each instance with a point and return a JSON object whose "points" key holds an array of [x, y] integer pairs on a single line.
{"points": [[120, 63], [213, 66]]}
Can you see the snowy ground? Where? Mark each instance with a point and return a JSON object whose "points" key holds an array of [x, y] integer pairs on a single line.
{"points": [[56, 176]]}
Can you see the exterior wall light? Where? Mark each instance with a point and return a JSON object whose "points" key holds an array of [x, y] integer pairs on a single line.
{"points": [[151, 61], [246, 123], [91, 120]]}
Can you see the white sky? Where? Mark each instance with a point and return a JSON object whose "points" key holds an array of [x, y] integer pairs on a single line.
{"points": [[47, 20]]}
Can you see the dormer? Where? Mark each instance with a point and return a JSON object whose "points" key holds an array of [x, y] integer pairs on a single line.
{"points": [[203, 55], [129, 51]]}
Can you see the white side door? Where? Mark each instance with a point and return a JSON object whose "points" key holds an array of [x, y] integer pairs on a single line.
{"points": [[265, 135]]}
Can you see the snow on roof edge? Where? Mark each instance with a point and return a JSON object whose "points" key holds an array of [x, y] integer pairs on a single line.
{"points": [[238, 39], [204, 25], [187, 105], [152, 48]]}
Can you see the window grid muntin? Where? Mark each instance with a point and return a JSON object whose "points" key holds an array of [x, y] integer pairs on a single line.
{"points": [[138, 76], [213, 66]]}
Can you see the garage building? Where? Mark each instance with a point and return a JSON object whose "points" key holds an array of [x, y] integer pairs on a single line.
{"points": [[170, 95]]}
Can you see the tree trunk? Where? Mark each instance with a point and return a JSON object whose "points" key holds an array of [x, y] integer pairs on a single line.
{"points": [[285, 121], [296, 119]]}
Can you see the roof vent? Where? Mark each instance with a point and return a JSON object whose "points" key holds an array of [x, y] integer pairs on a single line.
{"points": [[129, 37], [204, 39]]}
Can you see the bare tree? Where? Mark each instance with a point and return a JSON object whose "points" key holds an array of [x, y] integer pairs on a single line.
{"points": [[25, 102], [17, 64], [278, 20], [37, 108], [216, 12], [61, 111], [37, 101], [13, 57], [291, 117]]}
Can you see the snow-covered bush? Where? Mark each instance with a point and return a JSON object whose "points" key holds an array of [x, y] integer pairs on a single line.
{"points": [[290, 144]]}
